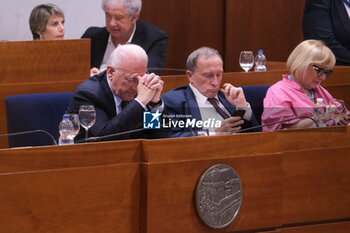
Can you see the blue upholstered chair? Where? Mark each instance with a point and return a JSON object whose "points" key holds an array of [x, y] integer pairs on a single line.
{"points": [[32, 112], [255, 96]]}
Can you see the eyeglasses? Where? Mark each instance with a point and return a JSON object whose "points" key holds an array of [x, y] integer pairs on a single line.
{"points": [[320, 71]]}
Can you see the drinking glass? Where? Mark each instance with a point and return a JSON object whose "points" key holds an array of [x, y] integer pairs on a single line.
{"points": [[74, 118], [87, 117], [246, 60], [336, 110]]}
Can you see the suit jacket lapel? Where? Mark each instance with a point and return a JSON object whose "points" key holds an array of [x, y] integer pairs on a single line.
{"points": [[139, 36], [110, 103], [191, 104], [100, 47]]}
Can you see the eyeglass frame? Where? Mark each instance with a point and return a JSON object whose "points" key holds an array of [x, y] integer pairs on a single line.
{"points": [[320, 71]]}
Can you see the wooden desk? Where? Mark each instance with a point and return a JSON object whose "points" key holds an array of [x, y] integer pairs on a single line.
{"points": [[289, 178], [44, 61], [293, 181], [80, 188]]}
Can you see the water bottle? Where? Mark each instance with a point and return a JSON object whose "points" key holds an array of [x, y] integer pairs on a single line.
{"points": [[66, 130], [320, 111], [260, 61]]}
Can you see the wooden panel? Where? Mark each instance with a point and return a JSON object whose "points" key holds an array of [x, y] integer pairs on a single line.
{"points": [[340, 92], [342, 227], [213, 147], [189, 25], [275, 65], [92, 199], [303, 185], [59, 157], [340, 76], [322, 138], [78, 188], [171, 185], [316, 185], [28, 88], [298, 178], [43, 61], [274, 26]]}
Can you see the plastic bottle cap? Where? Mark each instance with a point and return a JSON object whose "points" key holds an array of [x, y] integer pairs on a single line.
{"points": [[261, 51]]}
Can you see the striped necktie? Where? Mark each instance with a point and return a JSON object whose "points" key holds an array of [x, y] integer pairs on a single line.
{"points": [[215, 104]]}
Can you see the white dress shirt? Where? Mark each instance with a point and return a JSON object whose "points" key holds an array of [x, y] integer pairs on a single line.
{"points": [[110, 48]]}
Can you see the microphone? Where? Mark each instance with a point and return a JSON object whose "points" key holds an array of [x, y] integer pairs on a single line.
{"points": [[109, 136], [30, 132], [277, 122]]}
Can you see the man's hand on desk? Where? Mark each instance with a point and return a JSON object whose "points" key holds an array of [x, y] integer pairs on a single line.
{"points": [[230, 125]]}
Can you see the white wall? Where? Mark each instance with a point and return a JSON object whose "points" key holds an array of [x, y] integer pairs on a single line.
{"points": [[79, 15]]}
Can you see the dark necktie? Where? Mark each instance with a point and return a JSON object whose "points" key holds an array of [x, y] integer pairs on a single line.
{"points": [[123, 104], [215, 104]]}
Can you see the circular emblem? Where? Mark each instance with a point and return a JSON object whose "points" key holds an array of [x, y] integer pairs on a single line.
{"points": [[218, 196]]}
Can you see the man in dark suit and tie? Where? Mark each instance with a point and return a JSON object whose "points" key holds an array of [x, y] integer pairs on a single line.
{"points": [[202, 100], [123, 26], [121, 95], [329, 21]]}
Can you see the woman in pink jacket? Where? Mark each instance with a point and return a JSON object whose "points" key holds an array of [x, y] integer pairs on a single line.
{"points": [[295, 95]]}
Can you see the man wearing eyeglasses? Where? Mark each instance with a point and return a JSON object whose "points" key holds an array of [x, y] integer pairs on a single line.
{"points": [[121, 95], [310, 63]]}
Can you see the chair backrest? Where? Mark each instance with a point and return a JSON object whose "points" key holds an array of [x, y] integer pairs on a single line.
{"points": [[255, 96], [32, 112]]}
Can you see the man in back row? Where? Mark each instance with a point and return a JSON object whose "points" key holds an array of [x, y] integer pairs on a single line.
{"points": [[203, 100], [124, 27]]}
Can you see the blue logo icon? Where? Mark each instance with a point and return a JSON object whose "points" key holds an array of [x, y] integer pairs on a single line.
{"points": [[151, 120]]}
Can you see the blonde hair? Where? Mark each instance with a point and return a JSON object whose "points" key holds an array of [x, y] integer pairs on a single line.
{"points": [[309, 52]]}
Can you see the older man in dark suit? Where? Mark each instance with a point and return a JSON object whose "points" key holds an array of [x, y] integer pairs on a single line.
{"points": [[122, 27], [121, 95], [223, 110], [329, 21]]}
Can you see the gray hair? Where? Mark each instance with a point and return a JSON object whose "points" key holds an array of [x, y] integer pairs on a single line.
{"points": [[191, 63], [40, 15], [132, 7], [126, 51]]}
